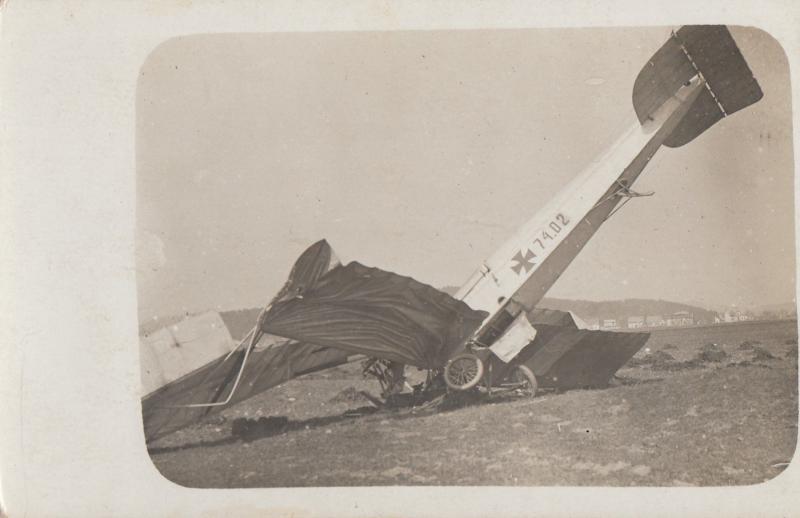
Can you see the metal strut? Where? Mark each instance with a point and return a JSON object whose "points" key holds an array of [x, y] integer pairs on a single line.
{"points": [[628, 193], [623, 191]]}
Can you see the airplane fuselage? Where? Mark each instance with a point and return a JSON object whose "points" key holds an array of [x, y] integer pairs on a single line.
{"points": [[516, 277]]}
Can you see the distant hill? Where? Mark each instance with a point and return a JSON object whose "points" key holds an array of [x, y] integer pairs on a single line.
{"points": [[619, 309], [786, 308], [622, 309]]}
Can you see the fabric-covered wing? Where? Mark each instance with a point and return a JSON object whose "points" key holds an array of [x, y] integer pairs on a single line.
{"points": [[266, 368], [369, 311], [207, 377]]}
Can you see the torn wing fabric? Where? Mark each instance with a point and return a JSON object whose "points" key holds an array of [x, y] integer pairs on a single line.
{"points": [[369, 311]]}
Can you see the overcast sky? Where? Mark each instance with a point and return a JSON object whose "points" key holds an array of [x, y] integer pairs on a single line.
{"points": [[421, 152]]}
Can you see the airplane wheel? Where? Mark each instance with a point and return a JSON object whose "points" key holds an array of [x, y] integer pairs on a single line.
{"points": [[525, 380], [463, 371]]}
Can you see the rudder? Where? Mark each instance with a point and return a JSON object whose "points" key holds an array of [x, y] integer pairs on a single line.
{"points": [[705, 50]]}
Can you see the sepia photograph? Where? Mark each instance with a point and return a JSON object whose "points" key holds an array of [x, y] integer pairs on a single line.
{"points": [[489, 257], [373, 259]]}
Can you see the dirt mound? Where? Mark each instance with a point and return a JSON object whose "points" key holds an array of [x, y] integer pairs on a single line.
{"points": [[637, 362], [618, 381], [664, 361], [349, 395], [761, 354], [680, 366], [246, 428], [661, 356], [748, 363], [661, 360], [651, 359], [748, 345], [711, 353]]}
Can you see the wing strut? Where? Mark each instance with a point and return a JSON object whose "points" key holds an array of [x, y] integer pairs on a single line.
{"points": [[255, 335]]}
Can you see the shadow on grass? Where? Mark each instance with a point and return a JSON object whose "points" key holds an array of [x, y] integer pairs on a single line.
{"points": [[248, 429]]}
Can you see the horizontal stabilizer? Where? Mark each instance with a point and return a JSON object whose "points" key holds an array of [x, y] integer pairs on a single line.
{"points": [[564, 357], [707, 51]]}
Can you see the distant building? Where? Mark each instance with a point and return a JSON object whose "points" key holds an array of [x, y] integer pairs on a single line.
{"points": [[592, 324], [654, 321], [636, 322], [610, 323], [680, 318], [732, 316]]}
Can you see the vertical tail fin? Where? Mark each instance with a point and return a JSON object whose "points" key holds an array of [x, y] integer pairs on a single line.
{"points": [[707, 51]]}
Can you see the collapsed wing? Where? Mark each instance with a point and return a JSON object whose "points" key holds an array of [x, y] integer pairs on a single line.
{"points": [[324, 313], [185, 368], [277, 363], [369, 311]]}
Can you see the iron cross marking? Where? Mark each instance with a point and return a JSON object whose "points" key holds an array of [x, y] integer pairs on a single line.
{"points": [[524, 261]]}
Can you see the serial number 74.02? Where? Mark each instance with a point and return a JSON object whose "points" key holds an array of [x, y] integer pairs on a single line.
{"points": [[551, 231]]}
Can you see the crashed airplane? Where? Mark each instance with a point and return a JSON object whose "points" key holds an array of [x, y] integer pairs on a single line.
{"points": [[491, 330]]}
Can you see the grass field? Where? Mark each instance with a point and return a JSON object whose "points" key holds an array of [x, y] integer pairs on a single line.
{"points": [[712, 405]]}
